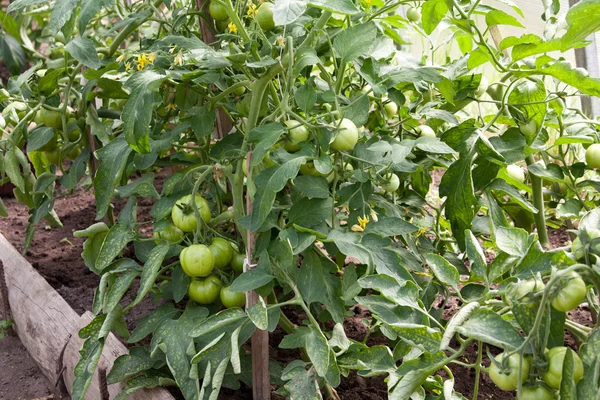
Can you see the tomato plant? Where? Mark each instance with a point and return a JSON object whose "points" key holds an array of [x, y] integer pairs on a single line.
{"points": [[293, 154], [538, 392]]}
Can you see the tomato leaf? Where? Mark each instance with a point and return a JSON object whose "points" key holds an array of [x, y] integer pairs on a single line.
{"points": [[114, 158], [489, 327], [433, 13], [150, 271], [287, 11], [84, 51], [117, 238]]}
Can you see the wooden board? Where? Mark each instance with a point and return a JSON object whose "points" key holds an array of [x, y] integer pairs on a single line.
{"points": [[44, 321]]}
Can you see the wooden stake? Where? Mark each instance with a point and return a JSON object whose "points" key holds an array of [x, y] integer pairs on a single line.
{"points": [[261, 385]]}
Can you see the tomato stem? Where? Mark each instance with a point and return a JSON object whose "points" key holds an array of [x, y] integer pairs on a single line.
{"points": [[537, 188]]}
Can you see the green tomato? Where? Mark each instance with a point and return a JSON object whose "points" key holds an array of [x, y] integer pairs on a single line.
{"points": [[391, 108], [183, 215], [197, 260], [297, 134], [592, 156], [577, 247], [237, 262], [556, 359], [571, 294], [217, 11], [509, 379], [74, 152], [528, 128], [240, 91], [171, 234], [516, 173], [222, 25], [538, 392], [413, 14], [425, 130], [222, 252], [392, 184], [264, 16], [205, 291], [525, 290], [346, 136], [482, 88], [52, 119], [232, 299], [52, 156]]}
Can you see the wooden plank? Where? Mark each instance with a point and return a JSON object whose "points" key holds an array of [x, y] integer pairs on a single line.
{"points": [[44, 322]]}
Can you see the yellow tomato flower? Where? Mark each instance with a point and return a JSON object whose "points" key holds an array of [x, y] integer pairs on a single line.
{"points": [[120, 58], [363, 221], [179, 59], [151, 57], [171, 106], [252, 10], [127, 66], [357, 228], [232, 27]]}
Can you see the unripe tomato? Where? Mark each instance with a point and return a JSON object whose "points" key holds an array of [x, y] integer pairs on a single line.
{"points": [[222, 252], [183, 215], [571, 294], [556, 359], [297, 134], [52, 156], [392, 184], [528, 128], [516, 173], [74, 152], [205, 291], [237, 262], [240, 91], [217, 11], [346, 136], [264, 16], [577, 247], [172, 234], [197, 260], [52, 119], [232, 299], [539, 392], [413, 14], [525, 290], [592, 156], [391, 108], [222, 25], [482, 88], [509, 379], [425, 130]]}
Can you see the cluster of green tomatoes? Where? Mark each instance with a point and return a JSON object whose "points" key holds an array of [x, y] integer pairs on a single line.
{"points": [[567, 294], [200, 262]]}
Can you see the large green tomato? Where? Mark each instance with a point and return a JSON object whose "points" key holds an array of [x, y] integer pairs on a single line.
{"points": [[308, 168], [425, 130], [524, 290], [52, 119], [571, 294], [556, 359], [52, 156], [264, 16], [183, 215], [298, 133], [171, 234], [577, 247], [232, 299], [205, 291], [346, 136], [516, 173], [528, 128], [392, 184], [391, 108], [197, 260], [237, 262], [217, 11], [413, 14], [509, 379], [592, 156], [539, 392], [222, 252]]}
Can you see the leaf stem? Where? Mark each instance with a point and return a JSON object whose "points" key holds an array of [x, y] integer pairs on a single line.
{"points": [[537, 188]]}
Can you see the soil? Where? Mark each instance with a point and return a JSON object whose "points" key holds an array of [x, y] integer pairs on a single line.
{"points": [[21, 378], [56, 255]]}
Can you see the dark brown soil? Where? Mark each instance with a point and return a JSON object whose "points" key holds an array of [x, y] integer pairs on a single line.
{"points": [[20, 378]]}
